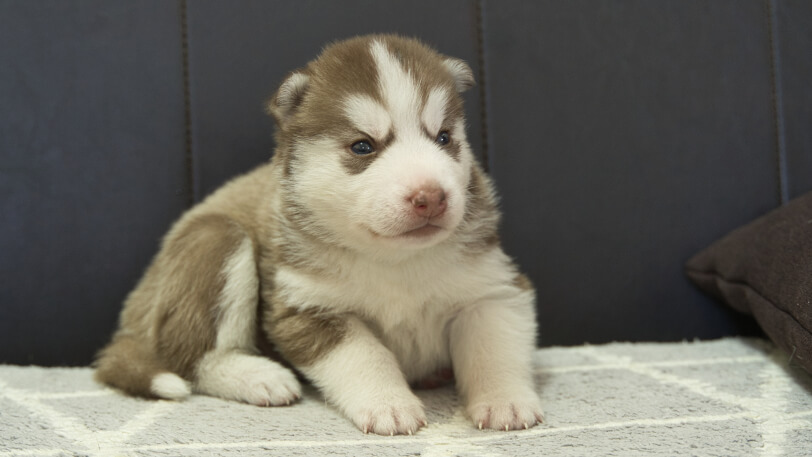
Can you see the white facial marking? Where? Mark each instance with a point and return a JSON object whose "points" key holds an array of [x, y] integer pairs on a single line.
{"points": [[458, 129], [368, 116], [372, 211], [397, 86], [434, 111]]}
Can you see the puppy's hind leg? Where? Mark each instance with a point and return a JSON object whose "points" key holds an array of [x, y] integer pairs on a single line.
{"points": [[233, 369]]}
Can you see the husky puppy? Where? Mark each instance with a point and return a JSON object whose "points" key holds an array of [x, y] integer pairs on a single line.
{"points": [[365, 254]]}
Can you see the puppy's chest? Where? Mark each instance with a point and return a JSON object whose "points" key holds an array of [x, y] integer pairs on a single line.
{"points": [[408, 307], [403, 298], [410, 312], [419, 342]]}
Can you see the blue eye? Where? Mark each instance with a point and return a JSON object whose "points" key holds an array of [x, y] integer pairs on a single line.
{"points": [[443, 138], [362, 148]]}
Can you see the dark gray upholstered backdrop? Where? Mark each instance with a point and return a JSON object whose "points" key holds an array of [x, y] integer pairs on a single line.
{"points": [[624, 137]]}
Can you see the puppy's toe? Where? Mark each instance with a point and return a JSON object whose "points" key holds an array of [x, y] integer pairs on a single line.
{"points": [[278, 388], [392, 419], [506, 415]]}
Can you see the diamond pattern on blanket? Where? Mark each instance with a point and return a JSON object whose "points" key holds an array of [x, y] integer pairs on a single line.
{"points": [[20, 431], [727, 397], [606, 396], [193, 418], [98, 413], [712, 438]]}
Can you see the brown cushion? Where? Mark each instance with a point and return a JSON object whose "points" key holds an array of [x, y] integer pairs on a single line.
{"points": [[765, 269]]}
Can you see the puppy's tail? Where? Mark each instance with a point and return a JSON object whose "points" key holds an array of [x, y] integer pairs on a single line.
{"points": [[131, 366]]}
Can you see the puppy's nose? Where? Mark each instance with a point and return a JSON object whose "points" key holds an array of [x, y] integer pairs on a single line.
{"points": [[428, 201]]}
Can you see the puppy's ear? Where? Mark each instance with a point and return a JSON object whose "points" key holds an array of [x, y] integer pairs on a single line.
{"points": [[461, 72], [288, 97]]}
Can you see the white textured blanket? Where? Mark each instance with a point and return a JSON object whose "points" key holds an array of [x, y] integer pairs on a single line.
{"points": [[733, 397]]}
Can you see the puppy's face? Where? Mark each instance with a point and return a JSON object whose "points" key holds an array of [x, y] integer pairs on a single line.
{"points": [[372, 141]]}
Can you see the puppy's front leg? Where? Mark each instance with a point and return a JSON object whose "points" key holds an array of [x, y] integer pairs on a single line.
{"points": [[492, 344], [353, 370]]}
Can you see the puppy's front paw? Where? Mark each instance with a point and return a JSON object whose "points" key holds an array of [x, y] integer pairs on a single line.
{"points": [[511, 414], [391, 418]]}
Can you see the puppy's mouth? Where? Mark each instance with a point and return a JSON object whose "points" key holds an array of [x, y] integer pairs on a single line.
{"points": [[425, 231]]}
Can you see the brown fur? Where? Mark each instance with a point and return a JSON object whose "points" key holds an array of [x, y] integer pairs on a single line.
{"points": [[186, 322], [128, 363], [169, 321], [316, 113], [319, 115], [355, 164], [175, 304], [302, 337], [453, 149], [481, 220], [523, 282]]}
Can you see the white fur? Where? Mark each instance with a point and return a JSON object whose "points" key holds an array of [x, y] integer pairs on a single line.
{"points": [[458, 131], [170, 386], [368, 116], [246, 378], [320, 185], [422, 309], [415, 305], [405, 302], [376, 203], [434, 111], [419, 305], [237, 306], [412, 304], [232, 370], [397, 86], [475, 316], [491, 344], [369, 211], [412, 162], [383, 403]]}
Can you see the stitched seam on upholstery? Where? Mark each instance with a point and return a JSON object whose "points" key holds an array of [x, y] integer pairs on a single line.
{"points": [[777, 101], [483, 93], [191, 190]]}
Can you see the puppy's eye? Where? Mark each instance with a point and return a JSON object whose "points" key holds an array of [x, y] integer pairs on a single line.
{"points": [[443, 138], [362, 148]]}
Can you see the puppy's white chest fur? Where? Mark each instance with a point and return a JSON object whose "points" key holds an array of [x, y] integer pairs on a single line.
{"points": [[408, 305], [420, 343]]}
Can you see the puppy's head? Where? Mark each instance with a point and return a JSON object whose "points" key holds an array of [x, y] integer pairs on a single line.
{"points": [[372, 144]]}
